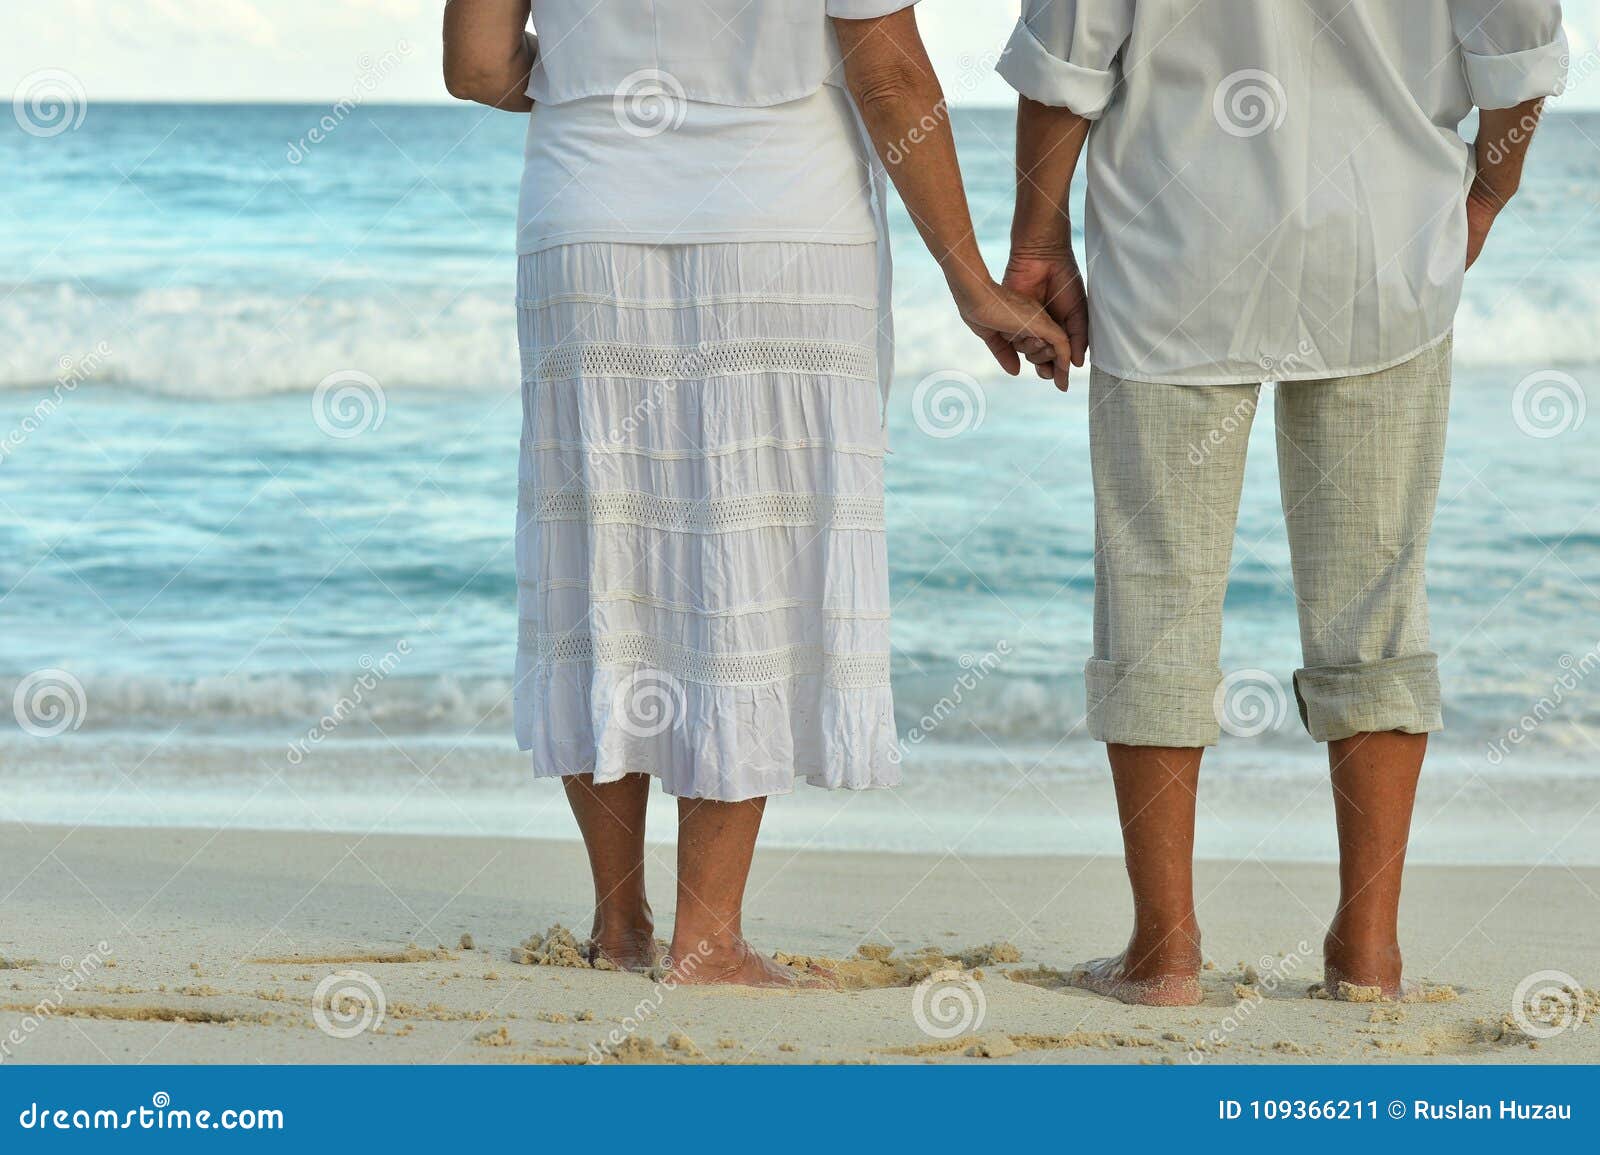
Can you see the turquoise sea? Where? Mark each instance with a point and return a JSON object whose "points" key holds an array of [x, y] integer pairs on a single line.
{"points": [[258, 431]]}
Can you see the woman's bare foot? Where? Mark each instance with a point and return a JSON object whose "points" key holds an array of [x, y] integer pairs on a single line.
{"points": [[628, 944], [1117, 979], [734, 962]]}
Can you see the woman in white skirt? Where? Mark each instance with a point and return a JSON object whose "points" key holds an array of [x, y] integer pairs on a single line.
{"points": [[702, 301]]}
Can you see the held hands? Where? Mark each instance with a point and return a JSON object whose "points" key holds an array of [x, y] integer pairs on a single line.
{"points": [[1052, 280], [1009, 321]]}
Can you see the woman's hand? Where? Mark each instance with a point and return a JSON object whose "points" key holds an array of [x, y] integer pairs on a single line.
{"points": [[1052, 279], [887, 70], [1004, 318]]}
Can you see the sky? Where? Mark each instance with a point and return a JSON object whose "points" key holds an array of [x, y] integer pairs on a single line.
{"points": [[388, 50]]}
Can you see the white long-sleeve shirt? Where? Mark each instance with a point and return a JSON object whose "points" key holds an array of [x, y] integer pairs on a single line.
{"points": [[1276, 188]]}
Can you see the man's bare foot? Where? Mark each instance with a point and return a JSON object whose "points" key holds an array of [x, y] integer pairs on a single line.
{"points": [[1114, 978], [1357, 961], [734, 962]]}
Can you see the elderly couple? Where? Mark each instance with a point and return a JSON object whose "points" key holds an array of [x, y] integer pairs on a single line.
{"points": [[1275, 192]]}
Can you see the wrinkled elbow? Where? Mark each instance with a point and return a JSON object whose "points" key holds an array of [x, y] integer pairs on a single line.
{"points": [[885, 90], [463, 83]]}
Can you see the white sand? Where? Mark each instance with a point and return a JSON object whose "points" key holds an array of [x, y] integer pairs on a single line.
{"points": [[183, 914]]}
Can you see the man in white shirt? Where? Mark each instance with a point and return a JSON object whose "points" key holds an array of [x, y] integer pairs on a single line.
{"points": [[1276, 191]]}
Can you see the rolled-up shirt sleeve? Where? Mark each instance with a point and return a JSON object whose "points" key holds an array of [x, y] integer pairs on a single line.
{"points": [[1067, 52], [865, 9], [1513, 50]]}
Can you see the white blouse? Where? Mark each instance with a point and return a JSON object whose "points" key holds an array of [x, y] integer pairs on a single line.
{"points": [[701, 121], [659, 172], [1276, 190], [748, 53]]}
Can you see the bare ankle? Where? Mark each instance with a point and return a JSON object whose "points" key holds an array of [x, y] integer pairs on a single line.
{"points": [[1165, 948], [1363, 958]]}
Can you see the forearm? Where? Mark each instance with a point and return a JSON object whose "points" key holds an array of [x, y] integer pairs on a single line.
{"points": [[903, 108], [489, 52], [1504, 135], [1049, 143]]}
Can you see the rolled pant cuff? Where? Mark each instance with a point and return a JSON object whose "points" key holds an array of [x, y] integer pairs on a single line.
{"points": [[1370, 697], [1140, 704]]}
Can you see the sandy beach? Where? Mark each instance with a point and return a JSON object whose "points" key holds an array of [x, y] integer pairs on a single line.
{"points": [[178, 946]]}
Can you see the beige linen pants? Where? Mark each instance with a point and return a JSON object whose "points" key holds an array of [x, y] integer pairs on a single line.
{"points": [[1359, 461]]}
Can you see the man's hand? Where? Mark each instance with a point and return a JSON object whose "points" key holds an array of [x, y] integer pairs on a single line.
{"points": [[1052, 279], [1482, 209], [1498, 155]]}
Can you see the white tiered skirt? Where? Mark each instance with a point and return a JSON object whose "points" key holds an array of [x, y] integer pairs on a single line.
{"points": [[703, 580]]}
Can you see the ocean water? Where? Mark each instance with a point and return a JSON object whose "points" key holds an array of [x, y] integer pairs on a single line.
{"points": [[258, 431]]}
